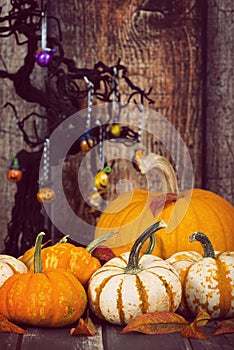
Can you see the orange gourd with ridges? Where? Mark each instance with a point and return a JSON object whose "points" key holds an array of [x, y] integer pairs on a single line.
{"points": [[195, 209], [49, 298]]}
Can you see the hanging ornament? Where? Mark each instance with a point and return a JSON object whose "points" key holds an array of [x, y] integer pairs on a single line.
{"points": [[44, 55], [87, 142], [101, 179], [115, 128], [14, 173], [45, 193]]}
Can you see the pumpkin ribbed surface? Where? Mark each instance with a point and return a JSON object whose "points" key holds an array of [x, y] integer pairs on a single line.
{"points": [[76, 260], [118, 296], [131, 213], [53, 298], [50, 298], [207, 283]]}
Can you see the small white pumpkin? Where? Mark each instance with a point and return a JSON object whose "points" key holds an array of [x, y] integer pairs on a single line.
{"points": [[126, 286], [207, 281], [9, 265]]}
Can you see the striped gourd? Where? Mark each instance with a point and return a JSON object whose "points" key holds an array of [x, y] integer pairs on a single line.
{"points": [[207, 281], [9, 266], [126, 286]]}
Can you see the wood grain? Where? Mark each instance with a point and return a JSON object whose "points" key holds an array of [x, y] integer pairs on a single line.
{"points": [[220, 99], [160, 44], [163, 45], [109, 338]]}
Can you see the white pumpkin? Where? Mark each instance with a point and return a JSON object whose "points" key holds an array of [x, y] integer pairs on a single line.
{"points": [[207, 281], [9, 265], [126, 286]]}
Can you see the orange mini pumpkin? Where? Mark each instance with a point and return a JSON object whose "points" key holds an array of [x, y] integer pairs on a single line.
{"points": [[77, 260], [49, 298], [189, 211], [14, 173]]}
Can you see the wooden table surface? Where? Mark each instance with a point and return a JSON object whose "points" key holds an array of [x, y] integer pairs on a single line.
{"points": [[108, 338]]}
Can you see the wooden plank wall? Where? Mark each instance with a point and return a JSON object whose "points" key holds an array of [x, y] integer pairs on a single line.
{"points": [[219, 147], [166, 45]]}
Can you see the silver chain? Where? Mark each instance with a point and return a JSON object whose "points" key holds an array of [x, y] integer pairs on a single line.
{"points": [[90, 102], [46, 160]]}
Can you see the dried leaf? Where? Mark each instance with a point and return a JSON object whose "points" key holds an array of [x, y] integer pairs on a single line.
{"points": [[103, 254], [84, 327], [9, 327], [202, 318], [156, 323], [227, 326], [192, 330]]}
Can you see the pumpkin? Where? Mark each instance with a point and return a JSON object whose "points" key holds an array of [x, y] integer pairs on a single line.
{"points": [[207, 280], [126, 286], [184, 212], [9, 265], [14, 173], [49, 298], [77, 260], [45, 195]]}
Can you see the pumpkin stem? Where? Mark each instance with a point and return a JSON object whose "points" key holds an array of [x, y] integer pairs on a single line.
{"points": [[151, 245], [153, 160], [37, 253], [133, 260], [206, 244], [64, 239], [91, 246]]}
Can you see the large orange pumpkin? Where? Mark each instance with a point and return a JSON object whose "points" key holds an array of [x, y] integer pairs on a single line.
{"points": [[186, 212]]}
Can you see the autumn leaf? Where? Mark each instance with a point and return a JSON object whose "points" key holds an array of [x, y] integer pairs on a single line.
{"points": [[84, 327], [202, 318], [9, 327], [161, 322], [227, 326], [192, 330], [103, 254]]}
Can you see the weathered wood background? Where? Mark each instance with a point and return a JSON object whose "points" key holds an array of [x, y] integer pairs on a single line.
{"points": [[184, 49]]}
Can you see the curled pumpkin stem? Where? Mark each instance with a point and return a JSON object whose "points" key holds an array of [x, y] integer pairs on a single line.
{"points": [[64, 239], [94, 244], [133, 261], [205, 242], [151, 245], [152, 160]]}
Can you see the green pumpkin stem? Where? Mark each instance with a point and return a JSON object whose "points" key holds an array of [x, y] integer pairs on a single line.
{"points": [[37, 253], [133, 261], [95, 243], [151, 245], [64, 239], [206, 244]]}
